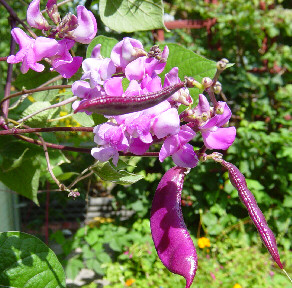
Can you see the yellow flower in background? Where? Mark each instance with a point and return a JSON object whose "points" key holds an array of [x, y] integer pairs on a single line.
{"points": [[129, 282], [237, 286], [204, 242]]}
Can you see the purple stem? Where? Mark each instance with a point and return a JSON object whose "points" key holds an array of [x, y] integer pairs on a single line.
{"points": [[9, 73]]}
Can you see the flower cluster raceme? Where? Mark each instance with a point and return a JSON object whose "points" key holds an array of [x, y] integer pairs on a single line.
{"points": [[57, 41], [135, 132]]}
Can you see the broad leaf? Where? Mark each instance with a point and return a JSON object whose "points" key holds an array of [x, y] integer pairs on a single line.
{"points": [[40, 119], [132, 15], [109, 173], [189, 64], [27, 262], [83, 119], [107, 44]]}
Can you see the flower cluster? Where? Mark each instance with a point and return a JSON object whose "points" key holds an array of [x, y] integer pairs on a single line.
{"points": [[135, 132], [68, 30]]}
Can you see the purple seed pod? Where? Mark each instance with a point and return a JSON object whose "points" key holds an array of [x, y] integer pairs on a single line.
{"points": [[118, 105], [249, 201], [172, 241]]}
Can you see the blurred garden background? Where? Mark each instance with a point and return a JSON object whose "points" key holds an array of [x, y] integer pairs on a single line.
{"points": [[106, 230]]}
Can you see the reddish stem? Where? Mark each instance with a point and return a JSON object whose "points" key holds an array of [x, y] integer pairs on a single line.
{"points": [[24, 91], [3, 58], [48, 129], [9, 73]]}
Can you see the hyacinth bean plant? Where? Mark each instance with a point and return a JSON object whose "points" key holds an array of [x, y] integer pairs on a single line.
{"points": [[147, 103]]}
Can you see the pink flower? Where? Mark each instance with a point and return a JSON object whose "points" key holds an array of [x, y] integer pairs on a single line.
{"points": [[214, 136], [87, 27], [82, 28], [177, 146], [126, 51], [35, 18], [32, 50]]}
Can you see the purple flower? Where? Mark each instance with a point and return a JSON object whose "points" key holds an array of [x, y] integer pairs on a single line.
{"points": [[97, 70], [82, 28], [214, 136], [177, 146], [126, 51], [35, 18], [31, 50], [183, 95], [87, 27]]}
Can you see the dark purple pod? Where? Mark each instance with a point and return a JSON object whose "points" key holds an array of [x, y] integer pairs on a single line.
{"points": [[258, 218], [172, 241], [118, 105]]}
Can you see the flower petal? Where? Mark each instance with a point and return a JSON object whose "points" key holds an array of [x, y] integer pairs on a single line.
{"points": [[222, 138], [87, 27], [35, 18]]}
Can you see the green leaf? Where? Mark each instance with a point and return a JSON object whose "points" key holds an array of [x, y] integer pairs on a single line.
{"points": [[83, 119], [107, 44], [73, 267], [17, 162], [189, 64], [287, 201], [24, 179], [67, 175], [27, 262], [132, 15], [40, 119], [33, 79], [108, 172], [93, 264]]}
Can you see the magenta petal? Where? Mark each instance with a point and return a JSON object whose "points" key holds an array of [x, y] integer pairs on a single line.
{"points": [[223, 118], [171, 77], [103, 154], [124, 51], [185, 157], [169, 147], [222, 138], [45, 48], [87, 27], [95, 53], [35, 18], [136, 69], [113, 86], [138, 147], [25, 45], [166, 123], [67, 70]]}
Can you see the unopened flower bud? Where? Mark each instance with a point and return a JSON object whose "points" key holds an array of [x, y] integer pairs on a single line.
{"points": [[219, 110], [221, 65], [52, 10], [204, 116], [217, 88], [191, 83], [207, 82]]}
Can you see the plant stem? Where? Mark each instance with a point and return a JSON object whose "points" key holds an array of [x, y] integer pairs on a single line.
{"points": [[48, 129], [69, 100], [9, 74], [24, 91]]}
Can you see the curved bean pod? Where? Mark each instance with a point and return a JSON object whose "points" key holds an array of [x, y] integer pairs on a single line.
{"points": [[118, 105], [172, 241], [238, 181]]}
